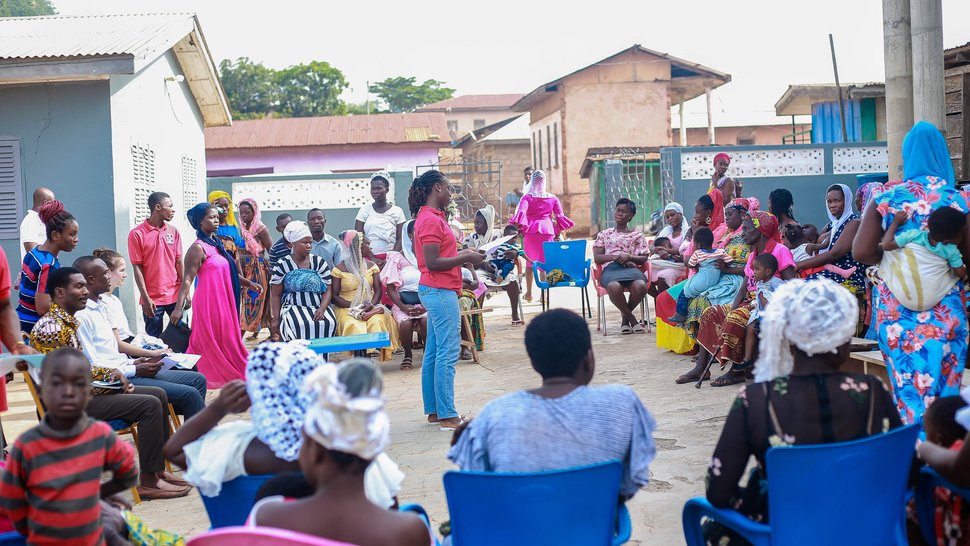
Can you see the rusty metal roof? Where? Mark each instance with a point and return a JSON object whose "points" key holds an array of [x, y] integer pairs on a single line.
{"points": [[140, 35], [330, 131], [475, 102]]}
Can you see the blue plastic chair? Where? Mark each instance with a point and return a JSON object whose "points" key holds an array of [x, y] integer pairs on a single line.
{"points": [[13, 539], [929, 480], [842, 493], [577, 506], [570, 258], [232, 505]]}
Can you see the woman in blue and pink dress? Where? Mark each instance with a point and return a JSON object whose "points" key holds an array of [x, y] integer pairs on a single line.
{"points": [[540, 217], [925, 350]]}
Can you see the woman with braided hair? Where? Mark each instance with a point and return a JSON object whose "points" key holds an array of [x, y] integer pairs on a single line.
{"points": [[800, 396], [440, 264], [357, 292], [42, 260]]}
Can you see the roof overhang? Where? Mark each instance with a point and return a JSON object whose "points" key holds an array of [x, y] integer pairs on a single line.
{"points": [[798, 99], [479, 134], [687, 79]]}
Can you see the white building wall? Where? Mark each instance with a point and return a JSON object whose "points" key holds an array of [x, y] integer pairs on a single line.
{"points": [[161, 119], [546, 136]]}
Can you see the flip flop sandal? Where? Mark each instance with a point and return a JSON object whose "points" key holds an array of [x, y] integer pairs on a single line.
{"points": [[448, 428], [727, 380], [626, 329], [518, 322], [689, 378], [407, 363], [639, 328]]}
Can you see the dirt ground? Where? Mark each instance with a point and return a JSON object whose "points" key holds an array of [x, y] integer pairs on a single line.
{"points": [[688, 421]]}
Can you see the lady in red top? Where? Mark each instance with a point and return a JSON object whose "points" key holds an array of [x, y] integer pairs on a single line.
{"points": [[440, 264]]}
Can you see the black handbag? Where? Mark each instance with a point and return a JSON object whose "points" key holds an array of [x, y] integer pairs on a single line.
{"points": [[410, 298], [176, 336]]}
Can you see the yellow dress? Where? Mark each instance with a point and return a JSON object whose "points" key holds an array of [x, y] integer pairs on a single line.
{"points": [[348, 325]]}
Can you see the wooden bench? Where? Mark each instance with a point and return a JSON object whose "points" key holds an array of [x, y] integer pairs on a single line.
{"points": [[466, 330], [358, 344], [860, 344]]}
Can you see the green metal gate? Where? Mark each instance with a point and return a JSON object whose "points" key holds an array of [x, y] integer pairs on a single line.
{"points": [[637, 178]]}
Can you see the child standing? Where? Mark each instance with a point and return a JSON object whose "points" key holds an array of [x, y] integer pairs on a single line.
{"points": [[68, 512], [764, 267], [705, 260], [945, 231]]}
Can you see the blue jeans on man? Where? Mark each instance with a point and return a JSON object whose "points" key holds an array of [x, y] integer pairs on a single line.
{"points": [[185, 389], [153, 325], [440, 351]]}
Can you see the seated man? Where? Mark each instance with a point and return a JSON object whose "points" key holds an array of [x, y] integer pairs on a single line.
{"points": [[569, 423], [144, 405], [100, 342]]}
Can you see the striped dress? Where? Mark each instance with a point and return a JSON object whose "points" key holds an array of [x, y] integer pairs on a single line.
{"points": [[37, 266], [303, 291], [51, 486]]}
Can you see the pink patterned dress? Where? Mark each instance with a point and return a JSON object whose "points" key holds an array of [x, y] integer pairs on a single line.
{"points": [[535, 216], [215, 323]]}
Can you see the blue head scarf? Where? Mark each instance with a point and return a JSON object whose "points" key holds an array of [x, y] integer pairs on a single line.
{"points": [[196, 214], [925, 154]]}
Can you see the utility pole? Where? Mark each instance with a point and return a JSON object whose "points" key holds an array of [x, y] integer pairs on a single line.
{"points": [[898, 52], [838, 87]]}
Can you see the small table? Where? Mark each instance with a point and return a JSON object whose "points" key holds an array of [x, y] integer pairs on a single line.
{"points": [[870, 362], [860, 344], [358, 344]]}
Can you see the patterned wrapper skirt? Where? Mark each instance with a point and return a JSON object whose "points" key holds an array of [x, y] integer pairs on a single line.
{"points": [[722, 332], [255, 310]]}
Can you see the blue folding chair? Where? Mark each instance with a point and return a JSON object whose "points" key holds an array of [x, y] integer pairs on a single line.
{"points": [[577, 506], [234, 502], [843, 493], [929, 480], [570, 258]]}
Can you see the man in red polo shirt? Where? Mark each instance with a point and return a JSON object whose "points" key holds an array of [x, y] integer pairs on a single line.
{"points": [[155, 250]]}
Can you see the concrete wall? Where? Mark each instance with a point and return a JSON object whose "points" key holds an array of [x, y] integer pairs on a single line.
{"points": [[330, 192], [731, 136], [549, 158], [65, 144], [466, 119], [147, 111], [313, 159]]}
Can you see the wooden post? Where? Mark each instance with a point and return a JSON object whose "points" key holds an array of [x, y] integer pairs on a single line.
{"points": [[838, 87], [683, 128], [710, 118]]}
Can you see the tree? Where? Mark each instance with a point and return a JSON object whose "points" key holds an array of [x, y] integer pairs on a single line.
{"points": [[360, 108], [249, 87], [404, 95], [26, 8], [311, 90]]}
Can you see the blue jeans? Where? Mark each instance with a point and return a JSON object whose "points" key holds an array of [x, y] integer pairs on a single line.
{"points": [[153, 325], [185, 389], [441, 351]]}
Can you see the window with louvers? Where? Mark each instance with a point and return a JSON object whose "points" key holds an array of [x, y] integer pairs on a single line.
{"points": [[11, 190], [143, 168], [190, 182]]}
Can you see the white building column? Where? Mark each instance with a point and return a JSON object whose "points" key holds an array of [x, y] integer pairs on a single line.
{"points": [[683, 128], [926, 18], [710, 117], [898, 52]]}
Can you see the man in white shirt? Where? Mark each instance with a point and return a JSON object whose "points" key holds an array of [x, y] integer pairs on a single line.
{"points": [[100, 342], [33, 232]]}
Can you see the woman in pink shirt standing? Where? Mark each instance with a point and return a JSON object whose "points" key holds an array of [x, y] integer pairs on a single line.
{"points": [[440, 265]]}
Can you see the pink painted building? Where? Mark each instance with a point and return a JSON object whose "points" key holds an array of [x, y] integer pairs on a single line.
{"points": [[326, 144]]}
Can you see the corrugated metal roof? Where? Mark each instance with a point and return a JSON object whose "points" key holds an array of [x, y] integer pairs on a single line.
{"points": [[139, 35], [475, 102], [329, 131]]}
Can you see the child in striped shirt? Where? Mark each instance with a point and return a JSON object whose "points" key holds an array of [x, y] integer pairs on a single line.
{"points": [[51, 487]]}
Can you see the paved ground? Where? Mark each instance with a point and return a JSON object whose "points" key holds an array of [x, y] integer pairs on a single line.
{"points": [[689, 421]]}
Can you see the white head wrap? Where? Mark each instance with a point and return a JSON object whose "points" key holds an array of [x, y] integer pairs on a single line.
{"points": [[296, 230], [537, 184], [846, 212], [817, 316], [343, 420], [668, 230], [386, 176]]}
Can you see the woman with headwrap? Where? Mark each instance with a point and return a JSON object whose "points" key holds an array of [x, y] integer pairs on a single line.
{"points": [[540, 217], [215, 314], [723, 327], [381, 221], [925, 350], [268, 443], [344, 434], [800, 396], [727, 236], [42, 260], [357, 292], [252, 262], [401, 276], [228, 232], [484, 233], [667, 265], [300, 291], [781, 203], [729, 188], [835, 246]]}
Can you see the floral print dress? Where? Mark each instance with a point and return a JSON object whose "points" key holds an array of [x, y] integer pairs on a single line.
{"points": [[926, 351], [800, 409]]}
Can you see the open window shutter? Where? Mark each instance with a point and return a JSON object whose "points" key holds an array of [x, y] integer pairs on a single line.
{"points": [[11, 190]]}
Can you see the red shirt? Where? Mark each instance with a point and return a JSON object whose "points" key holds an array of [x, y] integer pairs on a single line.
{"points": [[156, 250], [430, 228], [5, 279]]}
